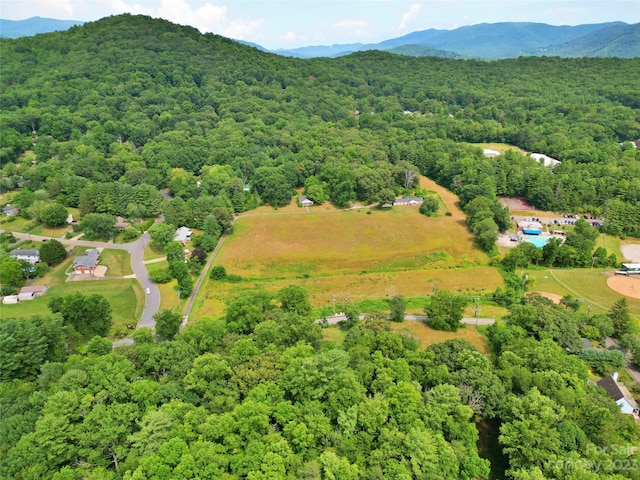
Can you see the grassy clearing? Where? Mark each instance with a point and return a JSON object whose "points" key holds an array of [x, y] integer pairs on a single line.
{"points": [[17, 224], [151, 253], [55, 232], [334, 334], [588, 284], [500, 147], [420, 330], [285, 246], [124, 295], [356, 288], [351, 255], [428, 335], [168, 294], [118, 261]]}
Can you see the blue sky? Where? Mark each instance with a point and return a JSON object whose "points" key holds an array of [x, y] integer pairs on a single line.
{"points": [[288, 24]]}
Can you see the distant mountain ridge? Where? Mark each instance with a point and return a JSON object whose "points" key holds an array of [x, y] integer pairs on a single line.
{"points": [[499, 40], [33, 26], [482, 41]]}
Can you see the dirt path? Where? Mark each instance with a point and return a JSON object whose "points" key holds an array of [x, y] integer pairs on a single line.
{"points": [[449, 199]]}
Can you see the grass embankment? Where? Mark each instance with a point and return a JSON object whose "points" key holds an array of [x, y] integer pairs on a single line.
{"points": [[351, 255], [124, 295]]}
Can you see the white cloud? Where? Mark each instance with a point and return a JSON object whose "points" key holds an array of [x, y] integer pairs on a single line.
{"points": [[19, 10], [409, 15], [289, 36], [241, 29], [351, 24], [205, 18]]}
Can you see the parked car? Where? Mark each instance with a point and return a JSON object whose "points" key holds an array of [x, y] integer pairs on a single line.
{"points": [[148, 291]]}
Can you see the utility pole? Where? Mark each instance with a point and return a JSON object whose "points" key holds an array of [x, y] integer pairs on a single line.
{"points": [[477, 298]]}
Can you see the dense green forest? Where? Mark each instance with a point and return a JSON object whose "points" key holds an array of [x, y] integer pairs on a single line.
{"points": [[139, 101], [257, 394], [118, 109]]}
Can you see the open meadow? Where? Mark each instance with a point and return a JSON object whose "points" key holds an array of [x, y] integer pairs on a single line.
{"points": [[351, 255]]}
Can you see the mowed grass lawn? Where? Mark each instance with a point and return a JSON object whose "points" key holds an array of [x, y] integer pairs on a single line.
{"points": [[587, 284], [124, 295], [351, 255]]}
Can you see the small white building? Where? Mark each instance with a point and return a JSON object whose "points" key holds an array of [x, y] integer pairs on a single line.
{"points": [[619, 393], [10, 300], [26, 296], [37, 290], [411, 201], [490, 153], [304, 201], [545, 160], [182, 235], [631, 268], [31, 256]]}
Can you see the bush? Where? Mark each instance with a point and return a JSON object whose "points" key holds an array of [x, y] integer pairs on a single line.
{"points": [[218, 272], [161, 276], [8, 290], [129, 234]]}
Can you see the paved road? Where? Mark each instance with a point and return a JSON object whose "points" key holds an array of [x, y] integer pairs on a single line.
{"points": [[203, 274], [631, 368], [136, 249]]}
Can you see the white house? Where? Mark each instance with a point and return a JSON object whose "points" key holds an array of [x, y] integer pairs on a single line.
{"points": [[305, 202], [488, 152], [545, 160], [31, 256], [182, 235], [619, 393], [411, 201]]}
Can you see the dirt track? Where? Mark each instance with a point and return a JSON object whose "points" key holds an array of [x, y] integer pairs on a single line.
{"points": [[624, 285]]}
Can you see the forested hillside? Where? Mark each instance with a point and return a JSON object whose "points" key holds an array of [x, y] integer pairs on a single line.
{"points": [[136, 100], [115, 110]]}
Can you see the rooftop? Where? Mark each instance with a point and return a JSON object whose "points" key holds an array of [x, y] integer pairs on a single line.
{"points": [[89, 259], [616, 390], [25, 252]]}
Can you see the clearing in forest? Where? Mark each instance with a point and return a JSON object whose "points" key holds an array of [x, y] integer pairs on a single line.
{"points": [[351, 255]]}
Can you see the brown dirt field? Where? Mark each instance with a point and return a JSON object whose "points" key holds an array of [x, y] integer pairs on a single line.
{"points": [[516, 203], [555, 298], [631, 252], [624, 285]]}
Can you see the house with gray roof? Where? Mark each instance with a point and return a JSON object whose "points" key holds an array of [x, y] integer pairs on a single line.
{"points": [[619, 393], [10, 210], [88, 262], [31, 256]]}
